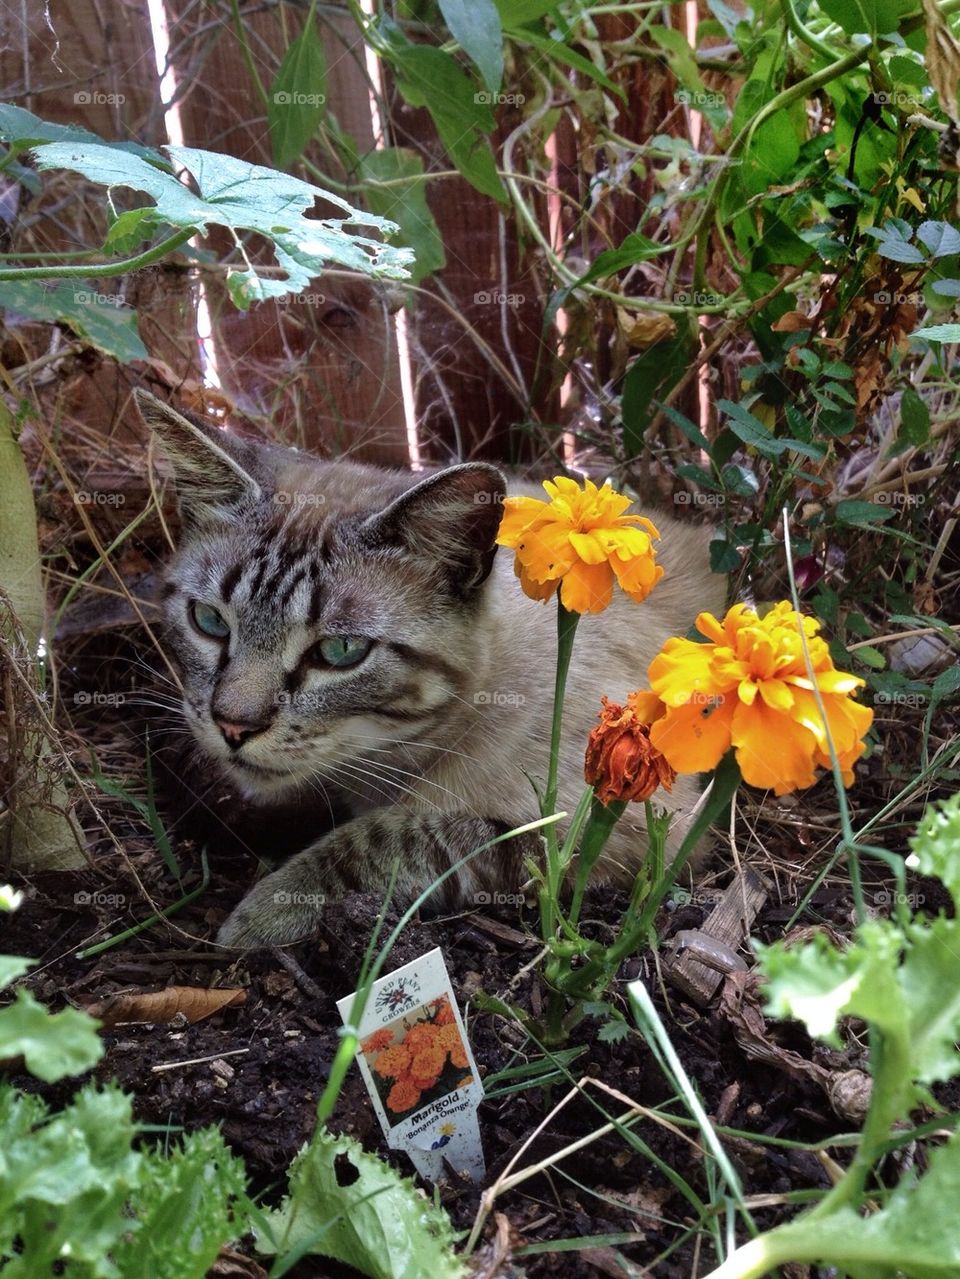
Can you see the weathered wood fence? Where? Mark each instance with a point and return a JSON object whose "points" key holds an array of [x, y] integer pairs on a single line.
{"points": [[323, 368]]}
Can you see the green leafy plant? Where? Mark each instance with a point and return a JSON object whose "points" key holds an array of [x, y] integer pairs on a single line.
{"points": [[902, 977], [75, 1190], [230, 193], [347, 1204]]}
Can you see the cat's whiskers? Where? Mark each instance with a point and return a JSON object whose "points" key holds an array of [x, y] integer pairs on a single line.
{"points": [[332, 773], [158, 700], [314, 783], [405, 772], [416, 741], [157, 675], [368, 777]]}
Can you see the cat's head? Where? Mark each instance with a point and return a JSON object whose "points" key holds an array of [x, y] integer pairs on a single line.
{"points": [[320, 613]]}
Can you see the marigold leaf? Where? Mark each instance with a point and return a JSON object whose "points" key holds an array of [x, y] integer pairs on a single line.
{"points": [[930, 981], [818, 984], [12, 967]]}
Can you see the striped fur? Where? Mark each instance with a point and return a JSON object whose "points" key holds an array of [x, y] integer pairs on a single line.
{"points": [[435, 741]]}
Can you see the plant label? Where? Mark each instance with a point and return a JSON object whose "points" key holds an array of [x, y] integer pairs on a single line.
{"points": [[418, 1067]]}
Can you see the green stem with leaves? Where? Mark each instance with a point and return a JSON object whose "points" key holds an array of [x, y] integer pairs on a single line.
{"points": [[100, 270]]}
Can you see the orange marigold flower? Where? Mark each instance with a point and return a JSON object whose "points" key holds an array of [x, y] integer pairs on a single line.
{"points": [[428, 1061], [392, 1062], [458, 1057], [448, 1036], [403, 1095], [420, 1036], [378, 1040], [748, 687], [621, 762], [580, 541], [424, 1084]]}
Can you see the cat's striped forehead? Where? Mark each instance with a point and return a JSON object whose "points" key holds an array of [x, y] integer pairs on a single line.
{"points": [[272, 572]]}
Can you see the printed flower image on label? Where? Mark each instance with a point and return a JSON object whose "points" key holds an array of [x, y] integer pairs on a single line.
{"points": [[397, 996], [418, 1058]]}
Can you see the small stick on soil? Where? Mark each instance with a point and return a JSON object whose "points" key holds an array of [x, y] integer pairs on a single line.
{"points": [[197, 1061], [306, 984]]}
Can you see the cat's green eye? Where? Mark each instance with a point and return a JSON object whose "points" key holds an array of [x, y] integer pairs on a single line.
{"points": [[208, 621], [343, 650]]}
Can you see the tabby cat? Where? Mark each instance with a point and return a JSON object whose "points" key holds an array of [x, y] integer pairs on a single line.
{"points": [[353, 630]]}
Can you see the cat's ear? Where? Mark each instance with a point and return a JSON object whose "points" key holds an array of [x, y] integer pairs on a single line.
{"points": [[450, 519], [214, 471]]}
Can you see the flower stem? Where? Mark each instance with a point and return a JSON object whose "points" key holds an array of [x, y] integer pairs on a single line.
{"points": [[550, 893], [566, 630]]}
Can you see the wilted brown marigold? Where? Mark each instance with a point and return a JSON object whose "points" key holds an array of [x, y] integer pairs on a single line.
{"points": [[621, 762]]}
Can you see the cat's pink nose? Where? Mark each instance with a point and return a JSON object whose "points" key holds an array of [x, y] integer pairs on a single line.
{"points": [[235, 734]]}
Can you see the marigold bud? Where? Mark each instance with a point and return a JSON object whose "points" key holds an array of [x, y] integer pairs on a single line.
{"points": [[621, 762]]}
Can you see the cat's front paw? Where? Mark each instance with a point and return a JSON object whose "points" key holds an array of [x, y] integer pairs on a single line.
{"points": [[273, 913]]}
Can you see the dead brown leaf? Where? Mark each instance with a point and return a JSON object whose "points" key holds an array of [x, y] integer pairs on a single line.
{"points": [[640, 329], [792, 322], [188, 1003]]}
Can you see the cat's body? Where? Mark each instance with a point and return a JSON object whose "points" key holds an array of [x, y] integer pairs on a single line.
{"points": [[434, 735]]}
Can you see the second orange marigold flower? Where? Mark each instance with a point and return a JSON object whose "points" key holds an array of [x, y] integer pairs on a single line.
{"points": [[748, 687]]}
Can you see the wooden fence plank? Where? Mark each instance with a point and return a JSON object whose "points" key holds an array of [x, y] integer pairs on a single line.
{"points": [[321, 370]]}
